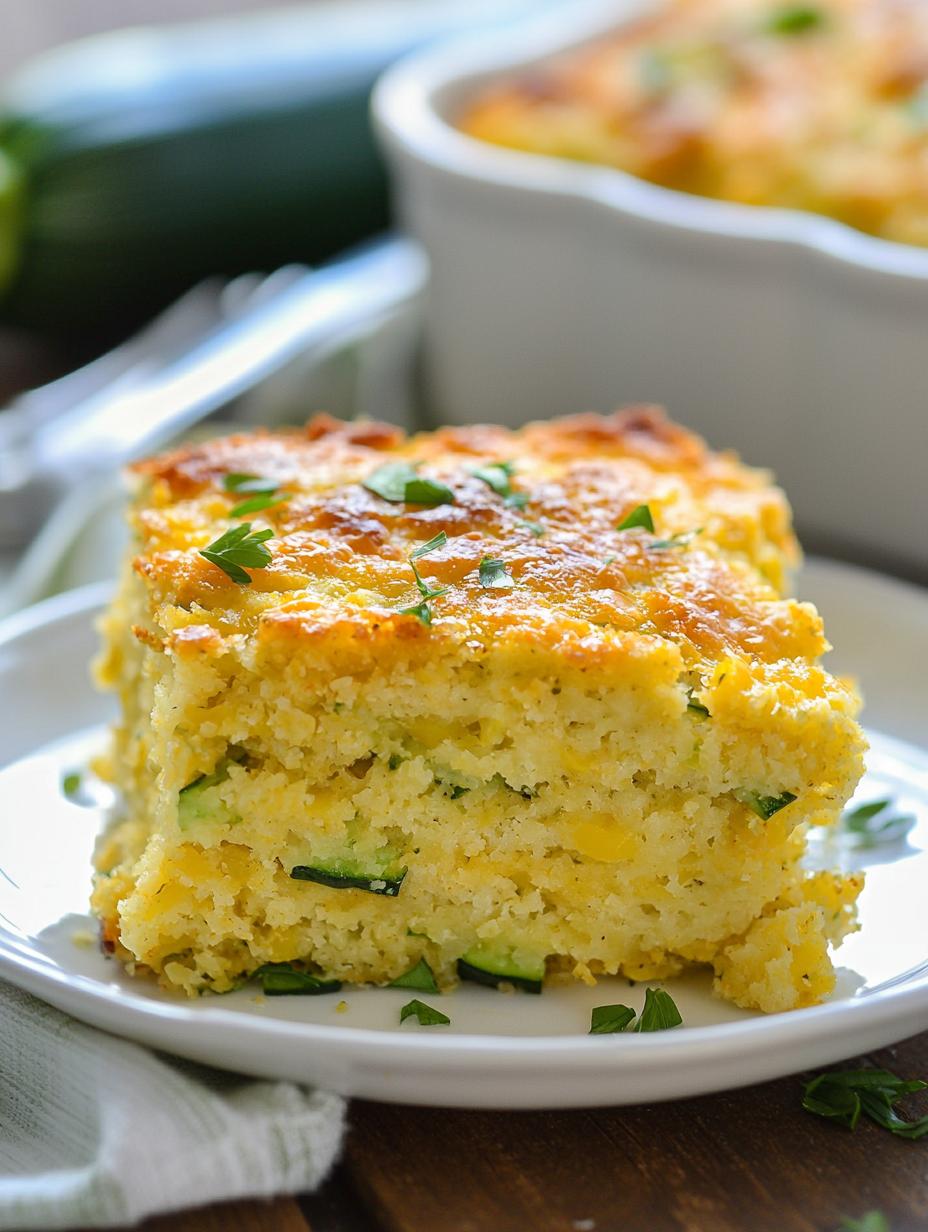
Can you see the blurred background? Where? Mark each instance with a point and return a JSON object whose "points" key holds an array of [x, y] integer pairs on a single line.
{"points": [[30, 28]]}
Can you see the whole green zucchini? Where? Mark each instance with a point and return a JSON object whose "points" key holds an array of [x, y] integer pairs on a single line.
{"points": [[133, 164]]}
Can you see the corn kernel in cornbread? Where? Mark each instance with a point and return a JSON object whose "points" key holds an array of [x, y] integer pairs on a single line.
{"points": [[566, 747]]}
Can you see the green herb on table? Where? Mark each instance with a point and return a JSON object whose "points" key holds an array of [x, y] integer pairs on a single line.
{"points": [[419, 977], [424, 1014], [681, 540], [71, 783], [493, 574], [844, 1095], [763, 806], [660, 1012], [640, 516], [870, 824], [873, 1221], [399, 482], [610, 1019], [790, 19], [428, 592], [237, 549], [284, 980], [498, 476]]}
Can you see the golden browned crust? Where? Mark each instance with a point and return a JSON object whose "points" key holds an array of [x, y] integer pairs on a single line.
{"points": [[340, 551]]}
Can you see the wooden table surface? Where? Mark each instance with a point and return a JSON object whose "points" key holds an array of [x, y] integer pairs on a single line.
{"points": [[741, 1161]]}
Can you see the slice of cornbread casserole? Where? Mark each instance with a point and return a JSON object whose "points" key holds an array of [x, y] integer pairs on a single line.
{"points": [[513, 702]]}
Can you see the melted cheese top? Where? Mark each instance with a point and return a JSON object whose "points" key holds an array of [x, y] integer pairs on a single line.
{"points": [[340, 552]]}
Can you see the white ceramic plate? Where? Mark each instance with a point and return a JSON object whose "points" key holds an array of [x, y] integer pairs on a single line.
{"points": [[507, 1051]]}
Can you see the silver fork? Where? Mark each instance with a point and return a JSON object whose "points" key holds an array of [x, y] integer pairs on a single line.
{"points": [[216, 344]]}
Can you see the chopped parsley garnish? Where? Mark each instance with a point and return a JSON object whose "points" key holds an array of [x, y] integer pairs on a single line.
{"points": [[239, 546], [71, 783], [792, 19], [873, 1221], [659, 1013], [535, 527], [422, 609], [430, 545], [419, 977], [261, 493], [283, 980], [400, 482], [843, 1095], [609, 1019], [498, 476], [424, 1014], [676, 541], [428, 492], [242, 484], [639, 516], [255, 504], [642, 518], [870, 824], [695, 707], [493, 574], [763, 806]]}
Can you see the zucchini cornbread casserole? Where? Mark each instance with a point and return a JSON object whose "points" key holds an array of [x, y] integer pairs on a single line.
{"points": [[819, 105], [514, 703]]}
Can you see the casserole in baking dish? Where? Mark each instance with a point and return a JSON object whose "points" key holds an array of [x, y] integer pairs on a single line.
{"points": [[792, 336], [817, 106]]}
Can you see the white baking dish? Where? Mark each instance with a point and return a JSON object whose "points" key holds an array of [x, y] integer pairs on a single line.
{"points": [[559, 286]]}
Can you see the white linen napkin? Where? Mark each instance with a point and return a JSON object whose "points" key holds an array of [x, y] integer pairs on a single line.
{"points": [[98, 1132]]}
